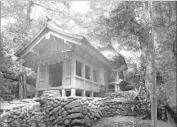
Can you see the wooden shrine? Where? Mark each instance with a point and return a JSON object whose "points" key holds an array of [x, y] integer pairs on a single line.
{"points": [[66, 62]]}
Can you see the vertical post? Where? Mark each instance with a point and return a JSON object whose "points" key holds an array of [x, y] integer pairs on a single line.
{"points": [[37, 80], [73, 80], [91, 77], [106, 87], [46, 80], [63, 93], [176, 52], [63, 79], [24, 83], [91, 94], [83, 93], [73, 92], [153, 71], [83, 75], [64, 73], [20, 85]]}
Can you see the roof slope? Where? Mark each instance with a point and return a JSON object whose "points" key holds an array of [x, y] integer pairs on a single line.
{"points": [[50, 27]]}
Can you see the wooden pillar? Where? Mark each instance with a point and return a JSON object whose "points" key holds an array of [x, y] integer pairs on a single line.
{"points": [[20, 86], [91, 73], [36, 93], [73, 80], [22, 81], [63, 79], [117, 80], [91, 77], [83, 93], [63, 93], [91, 94], [37, 80], [73, 92], [83, 74], [64, 73], [106, 82], [47, 73]]}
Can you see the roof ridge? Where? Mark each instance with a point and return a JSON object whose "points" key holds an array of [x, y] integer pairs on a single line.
{"points": [[55, 27]]}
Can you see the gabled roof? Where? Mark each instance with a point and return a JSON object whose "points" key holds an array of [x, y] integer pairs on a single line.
{"points": [[45, 29], [73, 38]]}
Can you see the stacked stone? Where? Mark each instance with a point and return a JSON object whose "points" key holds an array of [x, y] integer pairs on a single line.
{"points": [[27, 116], [113, 107], [56, 111], [129, 95], [120, 103], [70, 112]]}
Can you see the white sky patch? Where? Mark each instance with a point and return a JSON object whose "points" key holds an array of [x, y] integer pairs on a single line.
{"points": [[5, 21], [81, 7], [36, 12]]}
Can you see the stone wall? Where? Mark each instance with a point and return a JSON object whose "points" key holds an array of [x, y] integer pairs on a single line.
{"points": [[29, 115], [65, 111], [71, 111]]}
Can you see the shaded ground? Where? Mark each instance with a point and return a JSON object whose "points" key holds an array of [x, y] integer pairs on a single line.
{"points": [[127, 121]]}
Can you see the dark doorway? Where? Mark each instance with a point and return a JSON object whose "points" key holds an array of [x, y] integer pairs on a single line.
{"points": [[56, 74]]}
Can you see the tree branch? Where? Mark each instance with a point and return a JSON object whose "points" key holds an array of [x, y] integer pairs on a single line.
{"points": [[49, 9]]}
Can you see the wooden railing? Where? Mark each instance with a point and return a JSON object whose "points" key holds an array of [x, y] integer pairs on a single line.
{"points": [[86, 84], [49, 88]]}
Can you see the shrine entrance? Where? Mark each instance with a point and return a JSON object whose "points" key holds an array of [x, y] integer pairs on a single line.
{"points": [[56, 74]]}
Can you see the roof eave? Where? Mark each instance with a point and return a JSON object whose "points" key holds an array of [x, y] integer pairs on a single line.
{"points": [[99, 53], [21, 49]]}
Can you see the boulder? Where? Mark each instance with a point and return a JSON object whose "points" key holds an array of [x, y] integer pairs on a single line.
{"points": [[67, 122], [76, 115], [73, 104], [64, 113], [76, 122], [76, 110]]}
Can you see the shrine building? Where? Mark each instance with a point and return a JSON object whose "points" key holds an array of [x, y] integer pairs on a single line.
{"points": [[66, 62]]}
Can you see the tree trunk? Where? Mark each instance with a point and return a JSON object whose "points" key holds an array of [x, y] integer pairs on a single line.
{"points": [[152, 70], [29, 10]]}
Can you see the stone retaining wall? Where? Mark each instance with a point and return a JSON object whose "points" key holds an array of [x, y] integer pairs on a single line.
{"points": [[23, 116], [71, 111], [51, 110], [65, 111]]}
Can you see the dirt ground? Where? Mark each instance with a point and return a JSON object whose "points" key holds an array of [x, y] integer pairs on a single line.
{"points": [[127, 121]]}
